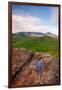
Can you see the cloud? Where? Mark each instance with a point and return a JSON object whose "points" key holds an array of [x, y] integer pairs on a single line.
{"points": [[54, 16], [22, 23]]}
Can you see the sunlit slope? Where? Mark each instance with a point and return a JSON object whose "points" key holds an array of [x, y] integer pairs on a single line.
{"points": [[36, 44]]}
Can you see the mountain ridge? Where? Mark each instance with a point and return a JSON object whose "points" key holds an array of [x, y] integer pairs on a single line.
{"points": [[35, 34]]}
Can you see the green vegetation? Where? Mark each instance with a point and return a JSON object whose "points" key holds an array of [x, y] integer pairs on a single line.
{"points": [[37, 44]]}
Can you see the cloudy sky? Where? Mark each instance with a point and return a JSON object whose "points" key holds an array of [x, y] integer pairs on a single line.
{"points": [[27, 18]]}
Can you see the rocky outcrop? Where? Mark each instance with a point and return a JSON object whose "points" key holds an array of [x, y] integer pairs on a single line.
{"points": [[19, 59], [24, 71]]}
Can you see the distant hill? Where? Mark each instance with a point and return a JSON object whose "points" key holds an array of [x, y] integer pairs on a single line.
{"points": [[37, 34], [51, 35], [46, 43], [34, 34]]}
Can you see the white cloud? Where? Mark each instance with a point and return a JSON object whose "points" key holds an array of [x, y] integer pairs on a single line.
{"points": [[54, 16], [31, 24]]}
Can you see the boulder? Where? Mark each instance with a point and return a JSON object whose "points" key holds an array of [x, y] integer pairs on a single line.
{"points": [[24, 61], [19, 58]]}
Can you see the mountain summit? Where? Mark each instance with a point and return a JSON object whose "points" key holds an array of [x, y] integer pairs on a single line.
{"points": [[35, 34]]}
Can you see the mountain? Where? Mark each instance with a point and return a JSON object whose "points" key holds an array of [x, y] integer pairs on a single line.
{"points": [[46, 43], [34, 34], [37, 34], [51, 35]]}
